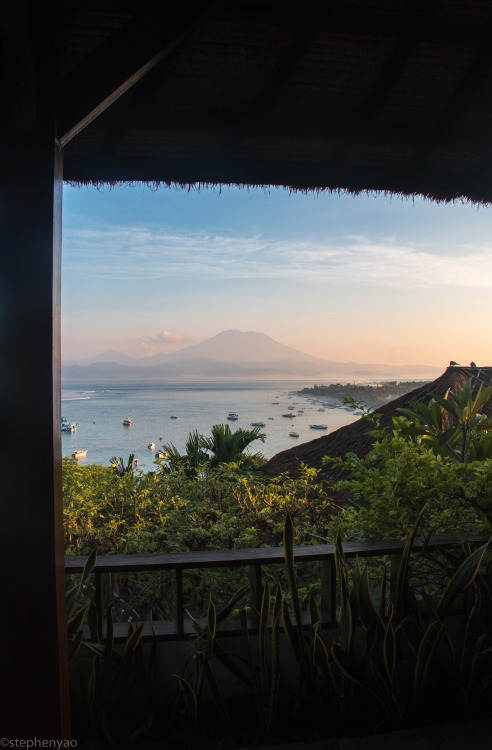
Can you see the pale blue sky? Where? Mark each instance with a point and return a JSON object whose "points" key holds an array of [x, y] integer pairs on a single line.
{"points": [[366, 279]]}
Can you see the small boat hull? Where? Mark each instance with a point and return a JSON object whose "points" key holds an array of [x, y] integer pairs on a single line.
{"points": [[79, 454]]}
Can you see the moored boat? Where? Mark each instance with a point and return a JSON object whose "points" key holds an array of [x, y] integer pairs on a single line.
{"points": [[289, 415], [233, 416], [68, 426], [318, 426], [151, 446], [79, 453], [258, 424], [293, 434], [127, 421]]}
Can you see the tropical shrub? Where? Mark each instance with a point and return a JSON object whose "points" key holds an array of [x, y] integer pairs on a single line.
{"points": [[437, 455]]}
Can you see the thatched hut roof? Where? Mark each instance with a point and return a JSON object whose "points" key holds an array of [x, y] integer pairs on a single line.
{"points": [[355, 95], [355, 437]]}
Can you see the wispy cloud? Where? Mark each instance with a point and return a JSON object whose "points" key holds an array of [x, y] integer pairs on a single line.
{"points": [[132, 251], [166, 337]]}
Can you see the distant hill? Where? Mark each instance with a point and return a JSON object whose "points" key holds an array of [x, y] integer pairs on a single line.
{"points": [[232, 354], [243, 346]]}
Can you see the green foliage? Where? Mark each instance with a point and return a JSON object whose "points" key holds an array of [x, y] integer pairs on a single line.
{"points": [[407, 660], [119, 468], [451, 426], [388, 663], [369, 394], [191, 461], [225, 446], [226, 507], [206, 650], [118, 683], [397, 478]]}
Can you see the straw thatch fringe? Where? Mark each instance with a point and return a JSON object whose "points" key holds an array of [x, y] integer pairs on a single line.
{"points": [[155, 185]]}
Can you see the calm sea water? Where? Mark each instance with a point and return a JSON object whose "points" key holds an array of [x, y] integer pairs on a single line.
{"points": [[99, 409]]}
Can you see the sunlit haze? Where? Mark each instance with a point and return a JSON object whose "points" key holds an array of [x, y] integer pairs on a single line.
{"points": [[362, 279]]}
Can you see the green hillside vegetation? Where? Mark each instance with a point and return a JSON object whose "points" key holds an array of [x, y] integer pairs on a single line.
{"points": [[371, 395]]}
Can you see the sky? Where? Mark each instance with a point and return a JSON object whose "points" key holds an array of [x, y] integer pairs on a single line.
{"points": [[367, 278]]}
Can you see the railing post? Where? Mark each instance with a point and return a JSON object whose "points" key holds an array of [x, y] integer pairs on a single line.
{"points": [[395, 561], [255, 589], [104, 596], [178, 601], [328, 602]]}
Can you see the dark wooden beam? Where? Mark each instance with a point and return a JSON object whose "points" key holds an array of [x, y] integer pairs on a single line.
{"points": [[271, 125], [338, 20], [124, 59], [277, 80], [462, 97], [20, 71], [408, 36]]}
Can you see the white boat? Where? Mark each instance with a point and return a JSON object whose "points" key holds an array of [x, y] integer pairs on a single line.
{"points": [[293, 434], [318, 426], [69, 426], [151, 446], [79, 454], [127, 421]]}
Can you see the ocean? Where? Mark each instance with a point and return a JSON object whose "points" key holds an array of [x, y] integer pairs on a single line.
{"points": [[100, 408]]}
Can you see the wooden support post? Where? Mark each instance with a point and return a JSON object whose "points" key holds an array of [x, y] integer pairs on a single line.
{"points": [[34, 688], [104, 597], [179, 602], [395, 561], [328, 591], [33, 625], [255, 589]]}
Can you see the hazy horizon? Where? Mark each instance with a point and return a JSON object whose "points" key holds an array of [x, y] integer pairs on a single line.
{"points": [[148, 357], [366, 279]]}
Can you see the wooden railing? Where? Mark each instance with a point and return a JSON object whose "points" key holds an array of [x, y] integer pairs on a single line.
{"points": [[253, 559]]}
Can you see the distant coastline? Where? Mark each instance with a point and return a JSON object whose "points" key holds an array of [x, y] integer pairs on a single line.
{"points": [[370, 395]]}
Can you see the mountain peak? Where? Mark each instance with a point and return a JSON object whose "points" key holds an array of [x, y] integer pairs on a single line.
{"points": [[243, 346]]}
